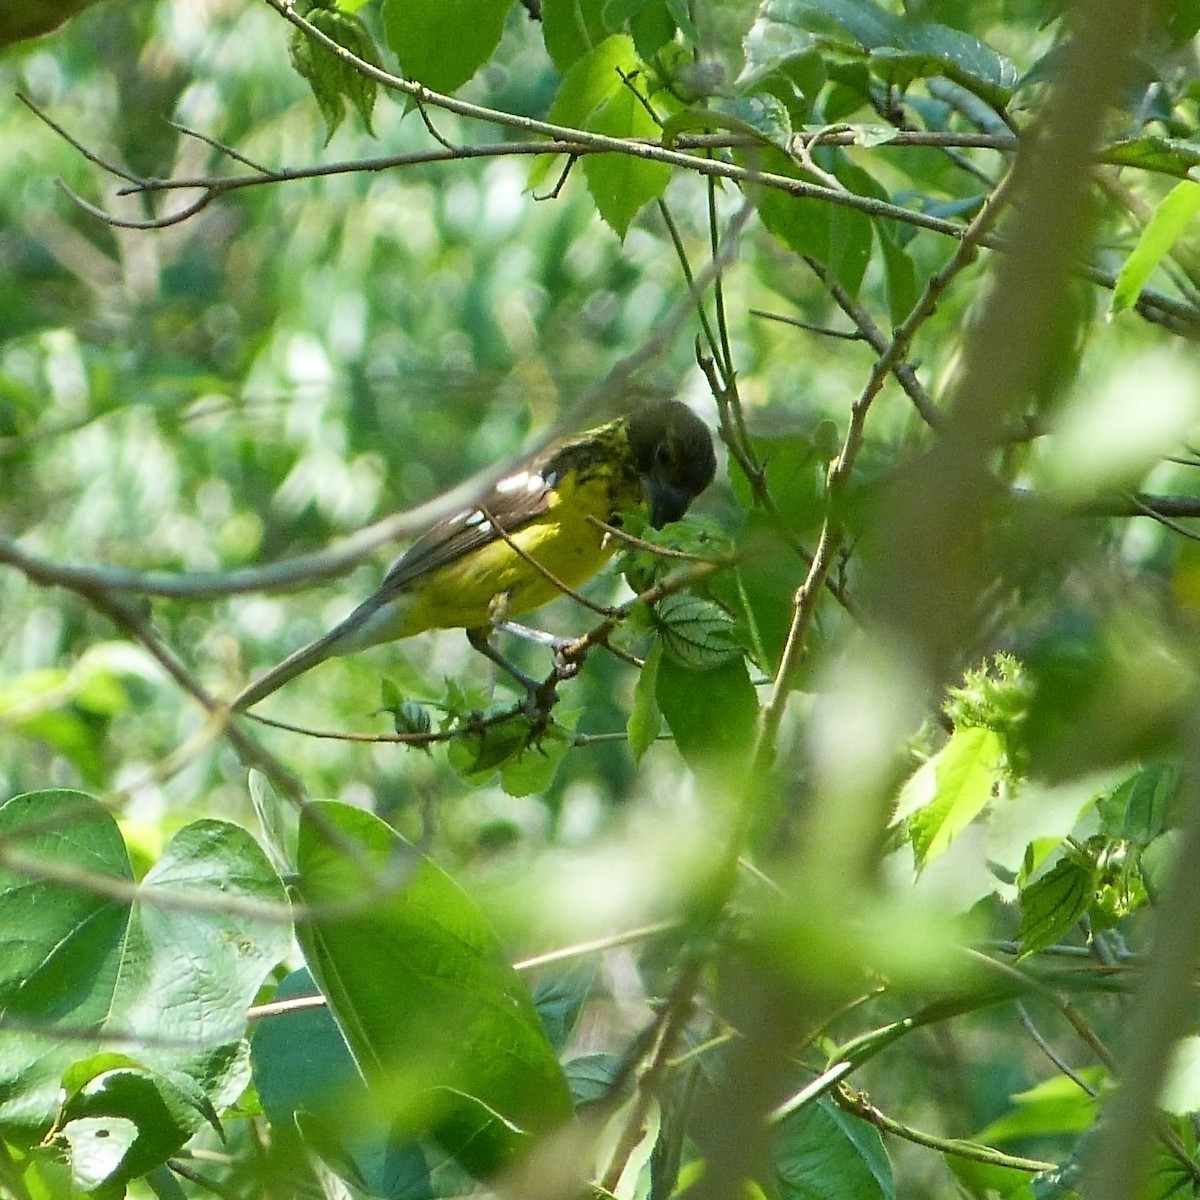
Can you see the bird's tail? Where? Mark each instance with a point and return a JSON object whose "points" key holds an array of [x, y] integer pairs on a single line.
{"points": [[344, 637]]}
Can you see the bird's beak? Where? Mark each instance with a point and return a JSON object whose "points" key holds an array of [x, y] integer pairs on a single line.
{"points": [[666, 502]]}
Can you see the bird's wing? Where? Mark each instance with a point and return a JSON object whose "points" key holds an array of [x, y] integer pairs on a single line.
{"points": [[512, 502]]}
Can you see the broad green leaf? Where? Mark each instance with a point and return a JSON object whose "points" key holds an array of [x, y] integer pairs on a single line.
{"points": [[591, 1076], [97, 1146], [306, 1079], [527, 759], [710, 713], [532, 770], [837, 236], [1053, 903], [171, 972], [163, 1114], [622, 184], [1141, 808], [900, 274], [594, 78], [652, 28], [822, 1153], [442, 1028], [795, 474], [571, 29], [1056, 1106], [951, 790], [697, 633], [1171, 217], [442, 43], [645, 719]]}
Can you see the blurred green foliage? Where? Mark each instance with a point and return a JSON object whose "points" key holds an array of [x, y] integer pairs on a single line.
{"points": [[853, 896]]}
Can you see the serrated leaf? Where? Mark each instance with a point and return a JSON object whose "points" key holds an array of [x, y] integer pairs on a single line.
{"points": [[1171, 217], [1052, 904], [1141, 808], [697, 633], [955, 787], [645, 719], [333, 81], [442, 43], [533, 769], [441, 1026], [622, 184]]}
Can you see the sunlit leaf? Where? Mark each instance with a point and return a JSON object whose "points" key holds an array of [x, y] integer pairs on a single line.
{"points": [[1172, 215], [442, 1028]]}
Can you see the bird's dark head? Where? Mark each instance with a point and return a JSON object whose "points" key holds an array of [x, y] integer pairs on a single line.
{"points": [[673, 451]]}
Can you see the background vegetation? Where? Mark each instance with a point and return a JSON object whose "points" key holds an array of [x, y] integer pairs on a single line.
{"points": [[860, 866]]}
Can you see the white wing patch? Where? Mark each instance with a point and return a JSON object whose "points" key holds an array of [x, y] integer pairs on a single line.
{"points": [[521, 481]]}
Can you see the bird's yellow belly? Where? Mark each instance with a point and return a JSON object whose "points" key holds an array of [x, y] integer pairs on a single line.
{"points": [[466, 593]]}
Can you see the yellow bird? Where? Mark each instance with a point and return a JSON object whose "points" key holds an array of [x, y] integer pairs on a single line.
{"points": [[463, 573]]}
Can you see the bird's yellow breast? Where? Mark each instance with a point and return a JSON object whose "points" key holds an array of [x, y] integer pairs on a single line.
{"points": [[562, 539]]}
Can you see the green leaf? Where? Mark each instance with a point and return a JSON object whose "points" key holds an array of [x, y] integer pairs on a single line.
{"points": [[1052, 904], [593, 79], [572, 28], [697, 633], [896, 49], [441, 1026], [763, 116], [1171, 217], [950, 790], [304, 1074], [837, 236], [988, 1181], [533, 768], [622, 184], [823, 1153], [173, 971], [163, 1114], [333, 81], [559, 998], [1142, 807], [795, 475], [1056, 1106], [645, 719], [1168, 156], [442, 43], [710, 713], [900, 275]]}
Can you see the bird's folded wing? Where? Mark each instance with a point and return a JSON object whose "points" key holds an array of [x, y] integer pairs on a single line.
{"points": [[512, 502]]}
